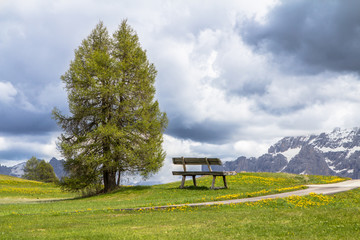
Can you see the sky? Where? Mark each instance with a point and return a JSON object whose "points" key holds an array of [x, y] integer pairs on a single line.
{"points": [[233, 77]]}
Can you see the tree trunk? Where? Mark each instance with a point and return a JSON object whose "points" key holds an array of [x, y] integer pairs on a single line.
{"points": [[118, 180], [109, 180]]}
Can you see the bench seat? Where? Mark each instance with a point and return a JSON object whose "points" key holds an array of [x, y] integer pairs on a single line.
{"points": [[214, 173]]}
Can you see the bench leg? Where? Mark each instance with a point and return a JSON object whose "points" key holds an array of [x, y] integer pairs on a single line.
{"points": [[225, 183], [182, 182], [213, 182], [194, 180]]}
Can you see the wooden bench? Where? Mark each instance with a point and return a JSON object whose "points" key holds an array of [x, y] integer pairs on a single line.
{"points": [[200, 161]]}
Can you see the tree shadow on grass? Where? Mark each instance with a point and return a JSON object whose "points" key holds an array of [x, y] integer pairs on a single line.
{"points": [[193, 188], [130, 188], [120, 189]]}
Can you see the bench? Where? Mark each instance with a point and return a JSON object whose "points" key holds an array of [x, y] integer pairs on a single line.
{"points": [[200, 161]]}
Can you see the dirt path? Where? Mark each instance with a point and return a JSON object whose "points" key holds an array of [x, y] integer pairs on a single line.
{"points": [[318, 189]]}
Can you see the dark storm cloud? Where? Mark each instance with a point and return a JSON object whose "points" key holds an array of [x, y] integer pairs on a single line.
{"points": [[15, 121], [208, 131], [309, 36], [16, 154], [35, 50]]}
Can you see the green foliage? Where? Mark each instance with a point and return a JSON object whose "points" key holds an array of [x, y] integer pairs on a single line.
{"points": [[30, 169], [115, 123], [45, 172], [39, 171]]}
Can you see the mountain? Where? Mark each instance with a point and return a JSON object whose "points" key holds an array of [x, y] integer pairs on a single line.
{"points": [[18, 170], [58, 166], [5, 170], [335, 153]]}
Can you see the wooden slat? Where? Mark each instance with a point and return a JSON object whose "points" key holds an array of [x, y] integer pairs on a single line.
{"points": [[197, 161], [194, 173]]}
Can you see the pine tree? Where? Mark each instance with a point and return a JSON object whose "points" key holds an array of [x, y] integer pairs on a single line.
{"points": [[30, 169], [115, 124], [45, 172]]}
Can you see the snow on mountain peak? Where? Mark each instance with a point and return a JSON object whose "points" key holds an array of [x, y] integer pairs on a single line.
{"points": [[18, 170], [345, 134]]}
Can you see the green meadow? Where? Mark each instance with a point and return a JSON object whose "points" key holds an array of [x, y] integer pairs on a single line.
{"points": [[34, 210]]}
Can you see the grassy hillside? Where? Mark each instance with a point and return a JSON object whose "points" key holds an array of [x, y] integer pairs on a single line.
{"points": [[13, 189], [314, 216], [240, 186]]}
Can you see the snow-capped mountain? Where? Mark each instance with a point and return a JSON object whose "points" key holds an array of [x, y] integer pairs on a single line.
{"points": [[336, 153], [18, 170]]}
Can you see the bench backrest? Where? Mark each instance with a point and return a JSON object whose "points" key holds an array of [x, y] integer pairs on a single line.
{"points": [[197, 161]]}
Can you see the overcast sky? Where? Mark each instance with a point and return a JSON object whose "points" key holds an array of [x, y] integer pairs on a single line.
{"points": [[233, 76]]}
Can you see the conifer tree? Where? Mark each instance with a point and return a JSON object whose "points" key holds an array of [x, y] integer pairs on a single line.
{"points": [[39, 170], [115, 124], [30, 169]]}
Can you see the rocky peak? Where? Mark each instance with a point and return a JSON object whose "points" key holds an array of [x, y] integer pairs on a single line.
{"points": [[309, 161], [338, 138], [290, 143], [333, 153]]}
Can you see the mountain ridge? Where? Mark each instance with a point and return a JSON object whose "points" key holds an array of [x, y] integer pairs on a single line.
{"points": [[336, 153]]}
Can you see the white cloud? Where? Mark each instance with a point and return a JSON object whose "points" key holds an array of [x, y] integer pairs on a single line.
{"points": [[49, 149], [3, 143], [7, 92], [251, 148], [22, 148]]}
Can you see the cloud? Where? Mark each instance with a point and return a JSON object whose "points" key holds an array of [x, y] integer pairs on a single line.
{"points": [[206, 84], [38, 39], [14, 149], [205, 131], [309, 36], [7, 92], [18, 121], [233, 76], [20, 116]]}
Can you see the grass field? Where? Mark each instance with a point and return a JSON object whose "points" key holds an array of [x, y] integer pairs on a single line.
{"points": [[99, 217]]}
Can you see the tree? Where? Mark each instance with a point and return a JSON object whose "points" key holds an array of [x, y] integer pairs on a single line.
{"points": [[39, 171], [30, 169], [115, 125], [45, 172]]}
